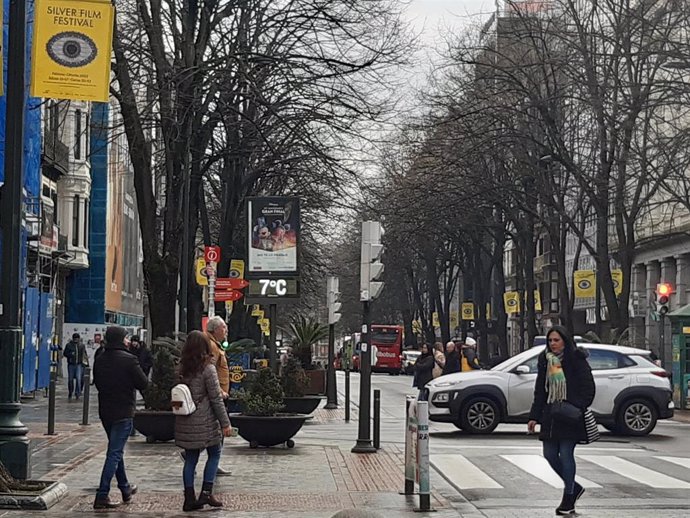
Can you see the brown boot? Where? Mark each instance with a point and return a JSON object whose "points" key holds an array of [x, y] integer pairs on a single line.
{"points": [[206, 497], [190, 501]]}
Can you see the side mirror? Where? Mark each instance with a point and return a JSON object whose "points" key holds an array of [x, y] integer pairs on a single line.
{"points": [[522, 369]]}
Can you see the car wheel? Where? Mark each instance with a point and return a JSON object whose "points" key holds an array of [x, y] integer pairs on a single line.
{"points": [[636, 417], [479, 415]]}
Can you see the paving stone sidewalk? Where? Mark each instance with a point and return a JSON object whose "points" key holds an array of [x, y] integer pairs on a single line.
{"points": [[317, 478]]}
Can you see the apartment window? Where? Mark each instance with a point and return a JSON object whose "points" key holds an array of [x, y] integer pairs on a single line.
{"points": [[86, 223], [77, 134], [75, 220]]}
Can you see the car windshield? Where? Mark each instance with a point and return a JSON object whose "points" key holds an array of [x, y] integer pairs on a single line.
{"points": [[518, 359]]}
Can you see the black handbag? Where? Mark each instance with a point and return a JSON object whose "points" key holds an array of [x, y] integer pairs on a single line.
{"points": [[566, 412]]}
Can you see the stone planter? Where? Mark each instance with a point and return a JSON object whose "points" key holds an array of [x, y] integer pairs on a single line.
{"points": [[268, 430], [301, 405], [46, 495], [155, 425]]}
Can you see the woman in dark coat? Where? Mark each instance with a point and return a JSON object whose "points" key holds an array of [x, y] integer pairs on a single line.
{"points": [[203, 428], [563, 374], [423, 370]]}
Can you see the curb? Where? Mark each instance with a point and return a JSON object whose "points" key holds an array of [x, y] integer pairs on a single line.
{"points": [[47, 499]]}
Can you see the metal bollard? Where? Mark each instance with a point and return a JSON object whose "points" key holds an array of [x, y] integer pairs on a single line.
{"points": [[423, 456], [51, 402], [347, 395], [409, 448], [377, 419], [85, 395]]}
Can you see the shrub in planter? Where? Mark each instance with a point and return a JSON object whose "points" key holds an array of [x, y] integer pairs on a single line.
{"points": [[306, 332], [263, 396]]}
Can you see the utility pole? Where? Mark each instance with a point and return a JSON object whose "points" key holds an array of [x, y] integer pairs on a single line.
{"points": [[332, 296], [15, 447], [370, 270]]}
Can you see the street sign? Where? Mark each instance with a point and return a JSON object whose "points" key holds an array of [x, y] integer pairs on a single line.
{"points": [[225, 295], [229, 283], [212, 254]]}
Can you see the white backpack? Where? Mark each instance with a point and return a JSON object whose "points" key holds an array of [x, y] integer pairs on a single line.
{"points": [[181, 399]]}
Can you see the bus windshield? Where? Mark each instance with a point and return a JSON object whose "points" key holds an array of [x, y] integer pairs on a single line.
{"points": [[385, 336]]}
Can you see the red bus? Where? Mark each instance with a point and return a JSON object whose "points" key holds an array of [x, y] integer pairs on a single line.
{"points": [[388, 341]]}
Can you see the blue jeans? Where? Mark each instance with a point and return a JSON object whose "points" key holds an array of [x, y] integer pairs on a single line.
{"points": [[118, 433], [560, 453], [191, 459], [75, 376]]}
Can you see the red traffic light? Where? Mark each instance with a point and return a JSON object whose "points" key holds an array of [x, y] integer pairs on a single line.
{"points": [[664, 289]]}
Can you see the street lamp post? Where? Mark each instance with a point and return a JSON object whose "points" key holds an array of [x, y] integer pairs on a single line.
{"points": [[15, 448]]}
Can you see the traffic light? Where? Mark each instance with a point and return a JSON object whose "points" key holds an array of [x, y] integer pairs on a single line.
{"points": [[371, 267], [333, 295], [663, 292]]}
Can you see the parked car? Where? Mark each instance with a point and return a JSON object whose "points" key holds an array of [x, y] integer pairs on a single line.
{"points": [[409, 358], [632, 393]]}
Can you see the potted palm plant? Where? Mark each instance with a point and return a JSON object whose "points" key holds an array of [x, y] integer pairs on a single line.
{"points": [[307, 332], [260, 422], [295, 381], [157, 422]]}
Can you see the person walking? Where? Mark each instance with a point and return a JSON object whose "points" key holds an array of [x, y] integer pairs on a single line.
{"points": [[439, 360], [563, 375], [117, 376], [452, 359], [217, 333], [423, 371], [77, 359], [205, 427], [469, 355]]}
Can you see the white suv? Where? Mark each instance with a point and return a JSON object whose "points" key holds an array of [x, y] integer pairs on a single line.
{"points": [[632, 392]]}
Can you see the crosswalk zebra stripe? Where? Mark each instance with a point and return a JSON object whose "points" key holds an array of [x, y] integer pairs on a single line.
{"points": [[635, 472], [537, 466], [680, 461], [462, 473]]}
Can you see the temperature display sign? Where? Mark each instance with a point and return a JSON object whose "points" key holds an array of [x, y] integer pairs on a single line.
{"points": [[273, 288]]}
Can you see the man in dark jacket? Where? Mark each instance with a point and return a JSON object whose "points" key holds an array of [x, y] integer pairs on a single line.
{"points": [[77, 358], [452, 359], [117, 375]]}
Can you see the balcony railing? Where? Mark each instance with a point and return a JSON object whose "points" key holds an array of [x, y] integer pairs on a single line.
{"points": [[55, 152]]}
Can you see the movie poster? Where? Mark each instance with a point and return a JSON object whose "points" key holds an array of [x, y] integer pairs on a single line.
{"points": [[274, 226]]}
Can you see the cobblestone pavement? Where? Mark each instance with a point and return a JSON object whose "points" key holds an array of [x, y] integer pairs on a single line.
{"points": [[317, 478]]}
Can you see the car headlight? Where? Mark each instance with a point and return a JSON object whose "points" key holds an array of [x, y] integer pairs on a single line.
{"points": [[441, 397], [446, 383]]}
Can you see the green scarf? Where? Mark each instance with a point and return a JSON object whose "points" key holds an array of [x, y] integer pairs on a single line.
{"points": [[555, 379]]}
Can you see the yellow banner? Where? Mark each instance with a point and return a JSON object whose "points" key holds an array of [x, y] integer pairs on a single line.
{"points": [[256, 311], [229, 305], [468, 310], [511, 301], [454, 320], [416, 326], [585, 283], [488, 310], [201, 278], [265, 325], [617, 276], [434, 320], [236, 269], [537, 300], [72, 49]]}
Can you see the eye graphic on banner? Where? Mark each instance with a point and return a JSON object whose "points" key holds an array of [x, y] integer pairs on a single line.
{"points": [[236, 269], [468, 311], [72, 49], [585, 282], [511, 302]]}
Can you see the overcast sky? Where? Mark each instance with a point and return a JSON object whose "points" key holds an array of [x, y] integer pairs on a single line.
{"points": [[428, 15]]}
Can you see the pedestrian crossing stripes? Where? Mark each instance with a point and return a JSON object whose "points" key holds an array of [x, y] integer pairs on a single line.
{"points": [[537, 466], [636, 472], [464, 473]]}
